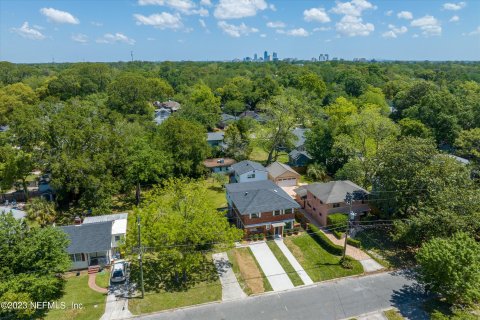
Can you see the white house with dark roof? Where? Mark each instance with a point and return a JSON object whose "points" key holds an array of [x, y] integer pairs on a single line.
{"points": [[261, 207], [248, 171], [96, 241]]}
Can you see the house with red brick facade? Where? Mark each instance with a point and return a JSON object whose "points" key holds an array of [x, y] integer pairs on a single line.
{"points": [[322, 199], [261, 207]]}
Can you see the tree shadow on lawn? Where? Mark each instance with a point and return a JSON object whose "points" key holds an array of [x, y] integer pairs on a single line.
{"points": [[409, 300]]}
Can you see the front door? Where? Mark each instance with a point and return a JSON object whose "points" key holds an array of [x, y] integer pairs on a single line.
{"points": [[278, 231]]}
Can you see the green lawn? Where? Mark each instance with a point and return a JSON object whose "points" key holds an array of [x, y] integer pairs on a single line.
{"points": [[216, 193], [393, 314], [260, 155], [292, 274], [103, 279], [77, 291], [317, 262], [156, 301]]}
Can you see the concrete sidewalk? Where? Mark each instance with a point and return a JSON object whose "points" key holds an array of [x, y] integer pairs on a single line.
{"points": [[300, 271], [230, 287], [116, 308], [271, 267]]}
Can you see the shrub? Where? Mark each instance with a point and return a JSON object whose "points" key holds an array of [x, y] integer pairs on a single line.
{"points": [[354, 242], [337, 234], [339, 220], [323, 240], [347, 263]]}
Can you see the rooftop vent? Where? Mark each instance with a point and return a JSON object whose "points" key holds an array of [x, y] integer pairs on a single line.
{"points": [[246, 193]]}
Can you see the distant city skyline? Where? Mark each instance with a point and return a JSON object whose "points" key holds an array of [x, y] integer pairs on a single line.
{"points": [[220, 30]]}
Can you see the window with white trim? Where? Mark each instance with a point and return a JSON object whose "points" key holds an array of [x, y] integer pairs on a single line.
{"points": [[255, 215], [277, 212]]}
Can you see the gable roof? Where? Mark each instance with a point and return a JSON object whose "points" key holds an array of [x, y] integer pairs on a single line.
{"points": [[300, 134], [333, 191], [295, 154], [247, 166], [276, 169], [459, 159], [17, 214], [107, 217], [90, 237], [215, 136], [259, 196]]}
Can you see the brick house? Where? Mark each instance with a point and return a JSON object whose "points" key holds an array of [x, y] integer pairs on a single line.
{"points": [[322, 199], [260, 207]]}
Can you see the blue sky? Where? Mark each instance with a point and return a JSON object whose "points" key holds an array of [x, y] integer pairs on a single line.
{"points": [[85, 30]]}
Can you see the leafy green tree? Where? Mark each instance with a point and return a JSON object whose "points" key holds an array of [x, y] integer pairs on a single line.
{"points": [[353, 170], [414, 128], [183, 226], [468, 144], [130, 93], [31, 259], [319, 142], [202, 106], [237, 144], [220, 178], [41, 212], [15, 96], [451, 268], [355, 85], [317, 172], [17, 166], [186, 142]]}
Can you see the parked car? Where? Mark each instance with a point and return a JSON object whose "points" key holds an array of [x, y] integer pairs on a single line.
{"points": [[118, 272]]}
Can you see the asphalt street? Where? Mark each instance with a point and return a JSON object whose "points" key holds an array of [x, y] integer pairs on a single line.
{"points": [[329, 300]]}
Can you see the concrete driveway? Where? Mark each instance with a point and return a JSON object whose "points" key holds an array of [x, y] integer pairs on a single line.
{"points": [[272, 269], [230, 287]]}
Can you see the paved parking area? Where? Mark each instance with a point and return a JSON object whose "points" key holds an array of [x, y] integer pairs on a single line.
{"points": [[230, 287], [272, 269]]}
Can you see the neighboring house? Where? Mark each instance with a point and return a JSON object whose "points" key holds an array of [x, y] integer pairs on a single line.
{"points": [[215, 139], [161, 115], [300, 138], [226, 119], [17, 214], [283, 175], [261, 207], [459, 159], [322, 199], [252, 114], [219, 164], [165, 109], [299, 158], [96, 241], [246, 171], [44, 188]]}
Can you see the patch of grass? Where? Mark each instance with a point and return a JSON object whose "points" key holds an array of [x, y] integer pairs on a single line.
{"points": [[78, 291], [319, 264], [103, 279], [216, 193], [156, 301], [393, 314], [266, 284], [248, 273], [292, 274], [258, 153]]}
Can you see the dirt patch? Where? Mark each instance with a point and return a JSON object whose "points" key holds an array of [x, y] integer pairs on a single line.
{"points": [[249, 270]]}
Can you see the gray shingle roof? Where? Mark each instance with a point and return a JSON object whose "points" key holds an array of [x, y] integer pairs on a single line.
{"points": [[90, 237], [247, 166], [17, 214], [215, 136], [107, 217], [259, 196], [333, 191], [276, 169], [459, 159], [300, 134], [295, 154]]}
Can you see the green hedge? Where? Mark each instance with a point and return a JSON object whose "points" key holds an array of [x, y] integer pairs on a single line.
{"points": [[354, 242], [337, 234], [323, 241], [338, 220]]}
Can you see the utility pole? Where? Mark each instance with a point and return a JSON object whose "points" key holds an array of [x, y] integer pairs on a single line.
{"points": [[348, 200], [131, 54], [140, 256]]}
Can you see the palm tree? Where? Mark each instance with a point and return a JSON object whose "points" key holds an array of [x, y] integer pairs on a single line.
{"points": [[317, 172], [41, 211]]}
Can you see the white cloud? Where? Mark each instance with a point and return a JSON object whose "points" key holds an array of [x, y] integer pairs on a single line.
{"points": [[389, 13], [236, 31], [36, 26], [28, 33], [276, 24], [322, 29], [454, 6], [475, 32], [96, 24], [114, 38], [236, 9], [352, 8], [316, 14], [187, 7], [206, 3], [353, 26], [415, 36], [407, 15], [80, 37], [429, 25], [272, 7], [394, 31], [454, 18], [299, 32], [58, 16], [162, 20], [263, 35]]}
